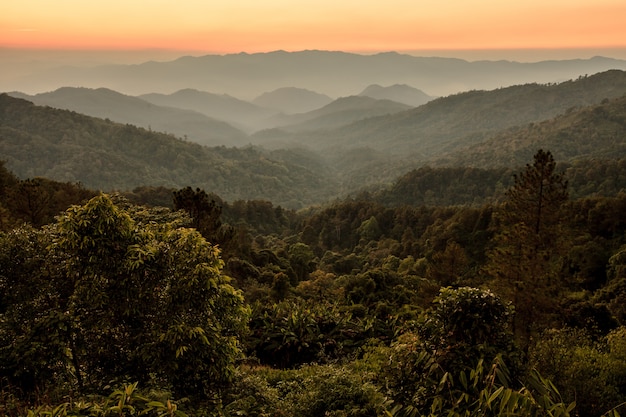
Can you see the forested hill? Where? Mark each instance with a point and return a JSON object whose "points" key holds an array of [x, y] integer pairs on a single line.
{"points": [[109, 104], [460, 120], [67, 146], [472, 186], [597, 131]]}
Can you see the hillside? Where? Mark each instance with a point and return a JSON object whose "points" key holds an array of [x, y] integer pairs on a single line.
{"points": [[237, 112], [340, 112], [597, 131], [461, 120], [108, 104], [400, 93], [67, 146], [292, 100]]}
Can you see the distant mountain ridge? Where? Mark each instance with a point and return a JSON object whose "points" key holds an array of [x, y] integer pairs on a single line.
{"points": [[399, 93], [340, 112], [239, 113], [597, 131], [336, 74], [109, 104], [467, 118], [292, 100]]}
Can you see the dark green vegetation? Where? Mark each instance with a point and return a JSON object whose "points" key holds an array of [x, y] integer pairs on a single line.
{"points": [[197, 289], [357, 308]]}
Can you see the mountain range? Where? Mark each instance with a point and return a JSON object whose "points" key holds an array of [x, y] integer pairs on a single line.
{"points": [[335, 74], [447, 123], [109, 104], [212, 119], [578, 120]]}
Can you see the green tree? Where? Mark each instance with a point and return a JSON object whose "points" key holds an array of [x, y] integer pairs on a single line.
{"points": [[465, 324], [527, 250], [537, 196], [448, 267], [33, 326], [30, 202], [590, 372], [301, 260], [135, 295], [204, 212], [461, 361], [369, 229]]}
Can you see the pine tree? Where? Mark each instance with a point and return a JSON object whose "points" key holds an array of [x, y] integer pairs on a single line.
{"points": [[525, 258]]}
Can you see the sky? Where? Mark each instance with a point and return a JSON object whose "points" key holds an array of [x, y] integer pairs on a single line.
{"points": [[232, 26]]}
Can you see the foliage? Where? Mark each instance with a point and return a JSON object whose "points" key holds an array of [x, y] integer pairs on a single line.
{"points": [[292, 332], [483, 390], [352, 286], [591, 373], [204, 212], [35, 200], [128, 400], [526, 254], [130, 294], [313, 390], [441, 369], [468, 323]]}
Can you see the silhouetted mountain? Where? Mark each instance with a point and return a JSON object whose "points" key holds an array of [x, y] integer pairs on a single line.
{"points": [[336, 74], [105, 103], [237, 112], [67, 146], [338, 113], [399, 93], [291, 100]]}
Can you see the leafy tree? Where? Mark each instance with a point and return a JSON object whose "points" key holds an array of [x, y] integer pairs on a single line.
{"points": [[461, 362], [482, 390], [301, 260], [30, 202], [370, 229], [132, 294], [592, 373], [204, 212], [466, 324], [33, 326], [448, 267], [294, 332], [309, 391]]}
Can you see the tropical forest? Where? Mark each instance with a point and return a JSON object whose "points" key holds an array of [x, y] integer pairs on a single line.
{"points": [[462, 257]]}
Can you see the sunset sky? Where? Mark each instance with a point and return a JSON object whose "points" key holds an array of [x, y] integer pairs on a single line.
{"points": [[228, 26]]}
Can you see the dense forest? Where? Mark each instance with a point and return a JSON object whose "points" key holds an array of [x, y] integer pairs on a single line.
{"points": [[173, 301], [466, 257]]}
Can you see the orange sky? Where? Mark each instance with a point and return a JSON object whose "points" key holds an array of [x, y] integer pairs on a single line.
{"points": [[227, 26]]}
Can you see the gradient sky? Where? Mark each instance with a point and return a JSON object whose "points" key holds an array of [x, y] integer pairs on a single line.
{"points": [[228, 26]]}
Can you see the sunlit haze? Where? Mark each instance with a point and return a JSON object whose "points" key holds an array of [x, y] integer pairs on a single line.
{"points": [[348, 25]]}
